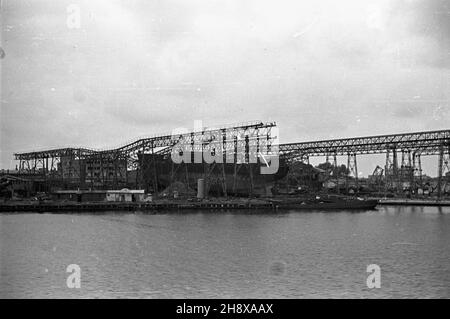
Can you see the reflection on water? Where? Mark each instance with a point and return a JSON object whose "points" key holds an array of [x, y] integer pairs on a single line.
{"points": [[227, 254]]}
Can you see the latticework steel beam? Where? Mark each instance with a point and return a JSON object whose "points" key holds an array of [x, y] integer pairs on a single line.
{"points": [[102, 166], [426, 143]]}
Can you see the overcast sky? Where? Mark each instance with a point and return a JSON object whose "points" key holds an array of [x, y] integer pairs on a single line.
{"points": [[320, 69]]}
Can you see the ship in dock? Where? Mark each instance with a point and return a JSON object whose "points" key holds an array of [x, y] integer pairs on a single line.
{"points": [[220, 178]]}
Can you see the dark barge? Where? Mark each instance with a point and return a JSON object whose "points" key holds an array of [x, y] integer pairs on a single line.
{"points": [[216, 204]]}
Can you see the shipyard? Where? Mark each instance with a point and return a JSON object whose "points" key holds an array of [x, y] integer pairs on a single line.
{"points": [[214, 168], [196, 150]]}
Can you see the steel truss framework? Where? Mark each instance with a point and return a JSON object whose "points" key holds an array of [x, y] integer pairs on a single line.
{"points": [[242, 143], [242, 146], [427, 143], [411, 146]]}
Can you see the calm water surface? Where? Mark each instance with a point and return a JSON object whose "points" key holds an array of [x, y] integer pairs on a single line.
{"points": [[227, 254]]}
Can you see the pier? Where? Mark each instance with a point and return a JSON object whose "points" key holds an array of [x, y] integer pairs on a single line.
{"points": [[160, 205], [414, 202]]}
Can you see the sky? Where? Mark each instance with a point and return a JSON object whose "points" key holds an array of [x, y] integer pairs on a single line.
{"points": [[321, 69]]}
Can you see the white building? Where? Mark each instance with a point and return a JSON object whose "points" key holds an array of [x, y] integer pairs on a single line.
{"points": [[125, 195]]}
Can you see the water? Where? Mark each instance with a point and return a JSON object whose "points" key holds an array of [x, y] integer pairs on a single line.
{"points": [[227, 254]]}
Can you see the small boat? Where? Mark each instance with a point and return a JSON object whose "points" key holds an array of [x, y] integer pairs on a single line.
{"points": [[326, 203]]}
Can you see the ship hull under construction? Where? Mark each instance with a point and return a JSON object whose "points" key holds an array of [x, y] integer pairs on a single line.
{"points": [[159, 172]]}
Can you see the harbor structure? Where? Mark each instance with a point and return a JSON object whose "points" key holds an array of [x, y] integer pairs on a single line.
{"points": [[147, 163]]}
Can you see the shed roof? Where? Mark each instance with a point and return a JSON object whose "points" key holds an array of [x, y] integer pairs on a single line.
{"points": [[126, 191]]}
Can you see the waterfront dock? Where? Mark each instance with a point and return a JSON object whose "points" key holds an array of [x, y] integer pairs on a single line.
{"points": [[413, 202], [157, 205], [215, 204]]}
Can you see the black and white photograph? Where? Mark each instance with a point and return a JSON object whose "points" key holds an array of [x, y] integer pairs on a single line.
{"points": [[234, 150]]}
